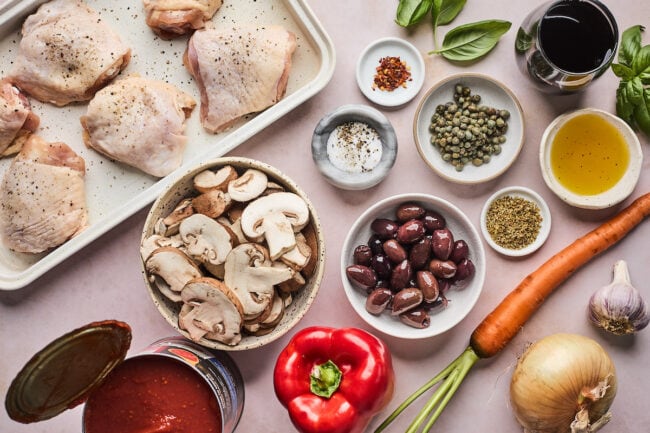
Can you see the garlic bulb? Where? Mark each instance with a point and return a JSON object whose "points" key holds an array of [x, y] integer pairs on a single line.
{"points": [[619, 307], [563, 383]]}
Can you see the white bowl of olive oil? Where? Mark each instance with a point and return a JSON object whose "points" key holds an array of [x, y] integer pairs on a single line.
{"points": [[590, 158]]}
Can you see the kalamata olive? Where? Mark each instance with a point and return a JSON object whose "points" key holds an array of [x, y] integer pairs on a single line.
{"points": [[378, 300], [464, 269], [384, 228], [361, 276], [376, 245], [382, 266], [442, 268], [401, 275], [442, 243], [420, 253], [433, 221], [395, 251], [443, 285], [362, 255], [410, 232], [406, 299], [409, 211], [418, 318], [439, 304], [460, 251], [428, 284]]}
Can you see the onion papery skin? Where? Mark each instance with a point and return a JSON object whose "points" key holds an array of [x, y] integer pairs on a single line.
{"points": [[547, 386]]}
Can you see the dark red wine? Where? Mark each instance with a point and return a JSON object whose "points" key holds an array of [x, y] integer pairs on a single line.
{"points": [[577, 36]]}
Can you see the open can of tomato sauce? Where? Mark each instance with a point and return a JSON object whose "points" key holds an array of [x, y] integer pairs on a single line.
{"points": [[174, 385]]}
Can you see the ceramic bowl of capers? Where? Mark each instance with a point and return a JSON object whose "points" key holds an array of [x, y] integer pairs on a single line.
{"points": [[469, 128], [413, 266]]}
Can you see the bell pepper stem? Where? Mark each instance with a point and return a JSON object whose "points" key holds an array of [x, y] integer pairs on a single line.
{"points": [[325, 379], [450, 379]]}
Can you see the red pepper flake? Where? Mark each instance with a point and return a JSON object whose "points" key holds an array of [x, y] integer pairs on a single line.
{"points": [[392, 73]]}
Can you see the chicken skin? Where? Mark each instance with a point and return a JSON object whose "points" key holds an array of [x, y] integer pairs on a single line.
{"points": [[67, 53], [172, 18], [17, 120], [239, 70], [139, 122], [43, 199]]}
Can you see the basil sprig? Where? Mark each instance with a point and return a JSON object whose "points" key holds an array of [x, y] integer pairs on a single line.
{"points": [[633, 68], [464, 43]]}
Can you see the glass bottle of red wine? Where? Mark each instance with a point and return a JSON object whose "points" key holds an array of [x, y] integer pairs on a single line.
{"points": [[564, 45]]}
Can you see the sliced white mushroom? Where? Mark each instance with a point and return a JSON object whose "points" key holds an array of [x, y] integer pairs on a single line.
{"points": [[208, 180], [212, 203], [248, 186], [272, 188], [275, 315], [298, 256], [250, 275], [211, 310], [235, 227], [169, 270], [276, 218], [168, 225], [206, 240], [293, 285]]}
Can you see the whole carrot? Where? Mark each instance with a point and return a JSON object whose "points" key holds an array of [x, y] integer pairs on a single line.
{"points": [[502, 324]]}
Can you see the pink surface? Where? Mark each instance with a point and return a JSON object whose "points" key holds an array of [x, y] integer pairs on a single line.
{"points": [[104, 281]]}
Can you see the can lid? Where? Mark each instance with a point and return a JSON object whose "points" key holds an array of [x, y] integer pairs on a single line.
{"points": [[65, 372]]}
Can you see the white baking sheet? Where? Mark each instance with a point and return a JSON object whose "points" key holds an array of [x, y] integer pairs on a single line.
{"points": [[115, 191]]}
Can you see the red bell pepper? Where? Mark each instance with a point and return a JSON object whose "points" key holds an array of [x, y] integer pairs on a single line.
{"points": [[333, 380]]}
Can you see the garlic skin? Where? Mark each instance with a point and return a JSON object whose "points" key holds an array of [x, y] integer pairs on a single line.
{"points": [[618, 307]]}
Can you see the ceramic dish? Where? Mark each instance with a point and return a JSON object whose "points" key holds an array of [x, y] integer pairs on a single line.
{"points": [[461, 299], [302, 298], [614, 195], [369, 60], [114, 191], [493, 94], [338, 174], [526, 194]]}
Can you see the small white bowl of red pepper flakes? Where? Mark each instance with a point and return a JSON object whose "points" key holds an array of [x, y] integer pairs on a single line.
{"points": [[390, 72]]}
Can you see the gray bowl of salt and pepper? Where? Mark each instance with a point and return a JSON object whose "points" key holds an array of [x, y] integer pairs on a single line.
{"points": [[354, 147]]}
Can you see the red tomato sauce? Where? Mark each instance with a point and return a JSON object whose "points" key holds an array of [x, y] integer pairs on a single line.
{"points": [[152, 394]]}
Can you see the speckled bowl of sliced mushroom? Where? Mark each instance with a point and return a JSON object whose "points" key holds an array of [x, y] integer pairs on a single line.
{"points": [[233, 254]]}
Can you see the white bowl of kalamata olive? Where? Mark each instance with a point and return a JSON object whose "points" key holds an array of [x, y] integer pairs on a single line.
{"points": [[413, 266]]}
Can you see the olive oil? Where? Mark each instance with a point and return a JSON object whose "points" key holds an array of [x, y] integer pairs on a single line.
{"points": [[589, 155]]}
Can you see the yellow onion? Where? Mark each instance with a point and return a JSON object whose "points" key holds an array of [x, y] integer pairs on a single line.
{"points": [[563, 383]]}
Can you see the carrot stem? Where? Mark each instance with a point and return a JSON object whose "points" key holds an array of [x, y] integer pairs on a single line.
{"points": [[505, 321]]}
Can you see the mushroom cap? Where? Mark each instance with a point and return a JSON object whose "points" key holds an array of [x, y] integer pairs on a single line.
{"points": [[248, 186], [210, 310], [208, 180], [252, 277], [170, 270], [206, 240], [276, 217]]}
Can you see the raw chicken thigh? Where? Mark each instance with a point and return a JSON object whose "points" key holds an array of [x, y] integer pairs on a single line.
{"points": [[17, 120], [67, 53], [139, 122], [171, 18], [239, 70], [43, 199]]}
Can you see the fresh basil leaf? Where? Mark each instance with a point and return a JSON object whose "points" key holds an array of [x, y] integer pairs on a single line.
{"points": [[630, 45], [622, 71], [445, 11], [410, 12], [642, 112], [523, 41], [641, 61], [472, 41], [624, 108]]}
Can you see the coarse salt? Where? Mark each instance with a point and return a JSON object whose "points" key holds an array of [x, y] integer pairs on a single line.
{"points": [[354, 147]]}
